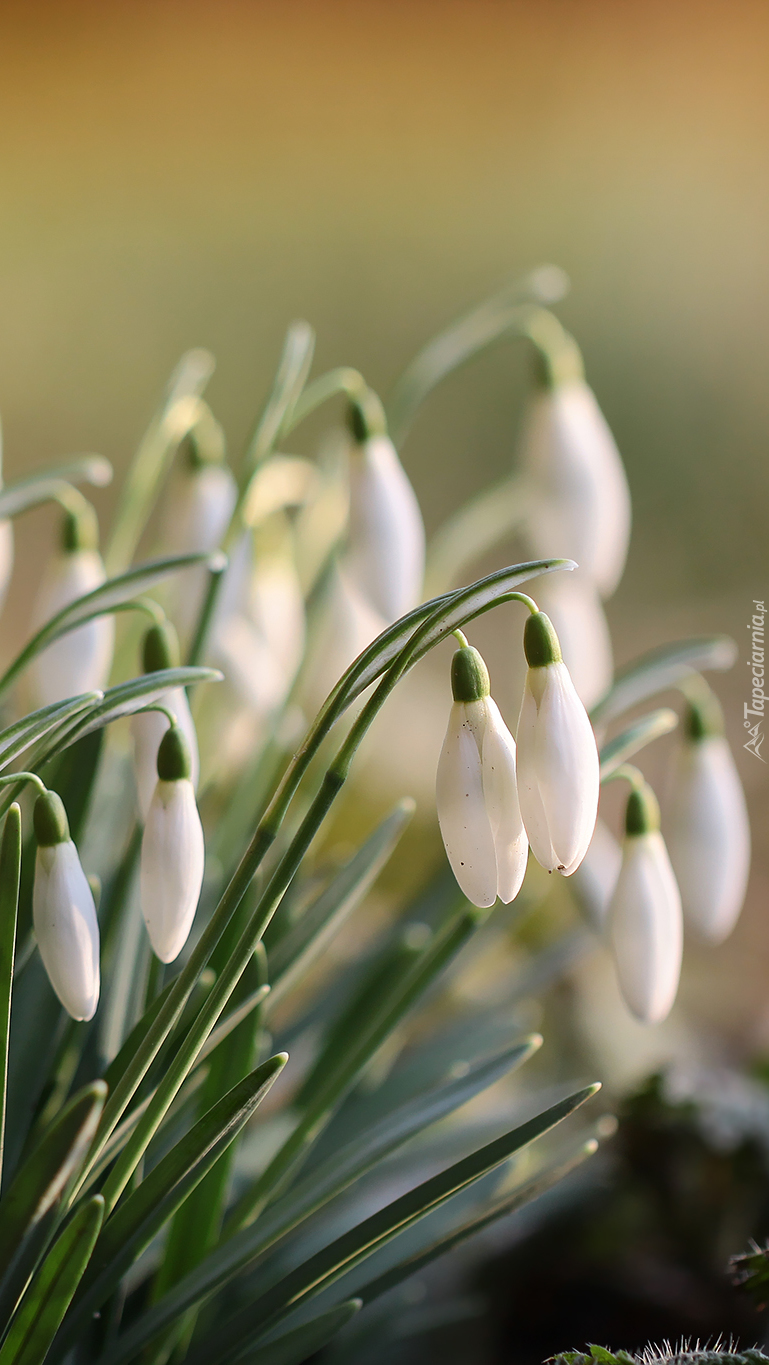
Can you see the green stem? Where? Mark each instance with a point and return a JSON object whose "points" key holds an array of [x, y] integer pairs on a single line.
{"points": [[342, 380], [21, 778], [627, 772], [216, 572]]}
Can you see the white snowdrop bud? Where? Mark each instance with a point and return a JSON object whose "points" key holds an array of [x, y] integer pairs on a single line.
{"points": [[201, 500], [173, 852], [475, 790], [63, 912], [558, 776], [79, 661], [160, 650], [709, 837], [574, 607], [645, 923], [386, 552], [582, 502]]}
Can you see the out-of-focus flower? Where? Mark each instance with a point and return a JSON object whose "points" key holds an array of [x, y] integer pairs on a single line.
{"points": [[348, 624], [581, 506], [558, 777], [645, 922], [385, 556], [63, 912], [709, 838], [79, 661], [200, 503], [173, 851], [476, 795], [574, 607], [160, 650]]}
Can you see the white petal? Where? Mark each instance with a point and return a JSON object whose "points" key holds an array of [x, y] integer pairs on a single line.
{"points": [[459, 796], [6, 556], [81, 660], [198, 510], [500, 795], [386, 556], [709, 838], [277, 610], [532, 809], [574, 607], [566, 763], [171, 874], [646, 928], [66, 928], [583, 508], [147, 730], [346, 625]]}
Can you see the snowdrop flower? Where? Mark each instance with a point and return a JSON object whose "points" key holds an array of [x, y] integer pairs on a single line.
{"points": [[558, 776], [645, 922], [63, 912], [709, 832], [201, 500], [173, 853], [596, 877], [79, 661], [582, 501], [476, 793], [386, 552], [160, 650], [348, 624], [574, 607]]}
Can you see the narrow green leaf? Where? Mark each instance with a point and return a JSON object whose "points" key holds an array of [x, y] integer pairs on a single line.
{"points": [[143, 1213], [39, 1188], [474, 530], [347, 1251], [662, 668], [292, 372], [23, 733], [49, 1296], [128, 697], [177, 415], [10, 874], [636, 736], [309, 937], [328, 1180], [515, 1199], [46, 483], [291, 1348]]}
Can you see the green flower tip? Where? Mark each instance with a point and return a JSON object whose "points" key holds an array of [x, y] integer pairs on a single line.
{"points": [[540, 642], [160, 648], [469, 675], [366, 417], [80, 529], [703, 718], [642, 815], [173, 756], [50, 820]]}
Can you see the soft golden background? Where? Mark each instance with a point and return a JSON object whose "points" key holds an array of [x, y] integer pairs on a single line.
{"points": [[177, 174]]}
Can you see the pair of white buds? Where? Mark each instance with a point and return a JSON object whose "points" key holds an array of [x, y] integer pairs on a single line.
{"points": [[700, 883], [492, 803], [170, 878]]}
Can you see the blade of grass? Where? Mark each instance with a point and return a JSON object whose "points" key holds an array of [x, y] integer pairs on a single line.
{"points": [[10, 875]]}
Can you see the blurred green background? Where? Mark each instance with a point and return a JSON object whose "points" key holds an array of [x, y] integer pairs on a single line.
{"points": [[179, 174]]}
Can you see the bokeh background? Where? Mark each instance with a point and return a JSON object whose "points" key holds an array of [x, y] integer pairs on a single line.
{"points": [[200, 172]]}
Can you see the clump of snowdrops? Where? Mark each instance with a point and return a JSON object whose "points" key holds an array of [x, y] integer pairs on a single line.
{"points": [[160, 1200]]}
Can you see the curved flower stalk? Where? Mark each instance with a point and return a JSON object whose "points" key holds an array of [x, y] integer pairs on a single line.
{"points": [[160, 649], [81, 660], [645, 923], [574, 607], [476, 794], [385, 556], [63, 912], [581, 498], [558, 778], [173, 851], [709, 837]]}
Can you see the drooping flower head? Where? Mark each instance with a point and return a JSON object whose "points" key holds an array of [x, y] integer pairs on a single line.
{"points": [[709, 836], [558, 777], [79, 661], [476, 795], [63, 911], [644, 920], [173, 850]]}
